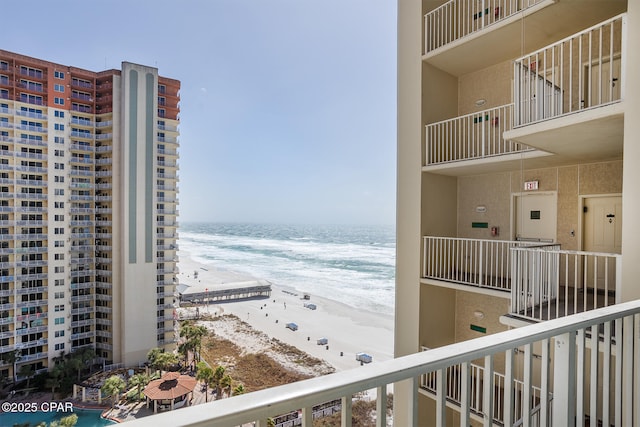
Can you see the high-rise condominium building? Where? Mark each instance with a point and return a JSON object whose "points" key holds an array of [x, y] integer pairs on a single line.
{"points": [[88, 209], [518, 130]]}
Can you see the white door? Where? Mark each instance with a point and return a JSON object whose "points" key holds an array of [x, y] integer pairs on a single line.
{"points": [[604, 84], [536, 217], [603, 224], [602, 232]]}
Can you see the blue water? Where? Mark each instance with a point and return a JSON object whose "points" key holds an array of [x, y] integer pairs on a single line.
{"points": [[86, 418], [352, 264]]}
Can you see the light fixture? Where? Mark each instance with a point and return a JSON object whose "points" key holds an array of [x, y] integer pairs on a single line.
{"points": [[481, 102], [478, 314]]}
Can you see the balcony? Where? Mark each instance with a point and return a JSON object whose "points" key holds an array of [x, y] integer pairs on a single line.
{"points": [[544, 281], [571, 338], [474, 137], [571, 91], [461, 35]]}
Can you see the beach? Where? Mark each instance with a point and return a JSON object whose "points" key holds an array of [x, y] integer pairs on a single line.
{"points": [[348, 331]]}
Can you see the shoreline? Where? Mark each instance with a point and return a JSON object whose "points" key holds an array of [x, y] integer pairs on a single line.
{"points": [[347, 329]]}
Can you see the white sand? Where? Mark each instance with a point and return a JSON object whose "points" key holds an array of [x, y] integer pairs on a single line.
{"points": [[348, 330]]}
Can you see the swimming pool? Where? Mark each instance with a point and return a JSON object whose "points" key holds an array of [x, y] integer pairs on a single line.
{"points": [[86, 418]]}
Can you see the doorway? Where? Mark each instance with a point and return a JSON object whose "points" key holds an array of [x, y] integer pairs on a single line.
{"points": [[535, 216], [602, 233]]}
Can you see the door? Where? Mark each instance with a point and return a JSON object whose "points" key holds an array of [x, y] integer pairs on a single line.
{"points": [[535, 217], [602, 232], [604, 85]]}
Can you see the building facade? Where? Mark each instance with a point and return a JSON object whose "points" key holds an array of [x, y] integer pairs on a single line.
{"points": [[517, 182], [88, 211]]}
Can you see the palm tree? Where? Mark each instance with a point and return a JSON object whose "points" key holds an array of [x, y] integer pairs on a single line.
{"points": [[239, 389], [192, 336], [54, 380], [139, 381], [204, 374], [152, 356], [226, 383], [112, 387], [26, 371], [11, 358], [218, 374], [165, 360]]}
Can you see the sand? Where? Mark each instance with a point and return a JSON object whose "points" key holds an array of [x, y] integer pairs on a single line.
{"points": [[347, 330]]}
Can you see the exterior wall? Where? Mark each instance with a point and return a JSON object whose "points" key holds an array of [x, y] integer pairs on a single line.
{"points": [[492, 84], [138, 300]]}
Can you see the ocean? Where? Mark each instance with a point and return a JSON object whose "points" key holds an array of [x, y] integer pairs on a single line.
{"points": [[354, 265]]}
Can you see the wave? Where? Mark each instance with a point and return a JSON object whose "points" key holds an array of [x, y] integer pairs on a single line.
{"points": [[355, 263]]}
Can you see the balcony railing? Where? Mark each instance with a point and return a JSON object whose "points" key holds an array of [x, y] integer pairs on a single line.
{"points": [[453, 379], [459, 18], [580, 72], [550, 283], [473, 136], [473, 262], [610, 392]]}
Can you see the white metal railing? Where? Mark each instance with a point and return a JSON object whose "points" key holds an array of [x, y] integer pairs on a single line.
{"points": [[454, 387], [525, 353], [473, 136], [459, 18], [549, 282], [579, 72], [474, 262]]}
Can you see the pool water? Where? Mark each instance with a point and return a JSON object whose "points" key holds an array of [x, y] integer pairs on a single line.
{"points": [[86, 418]]}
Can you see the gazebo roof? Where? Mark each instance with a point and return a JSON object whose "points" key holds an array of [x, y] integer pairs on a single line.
{"points": [[171, 386]]}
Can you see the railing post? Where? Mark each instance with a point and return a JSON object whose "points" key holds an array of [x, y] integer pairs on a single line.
{"points": [[487, 392], [564, 380], [381, 406], [345, 417]]}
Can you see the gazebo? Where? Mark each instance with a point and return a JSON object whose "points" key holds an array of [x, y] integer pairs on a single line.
{"points": [[173, 390]]}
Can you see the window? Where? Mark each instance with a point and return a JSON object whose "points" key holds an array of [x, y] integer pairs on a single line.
{"points": [[59, 244], [59, 257], [59, 269], [59, 334], [58, 139], [30, 99], [161, 112], [58, 126], [35, 86], [58, 101], [58, 88], [59, 114], [59, 218], [59, 230], [59, 205], [57, 177], [59, 166], [59, 282], [59, 346], [59, 307], [58, 75], [59, 192], [59, 321], [59, 295], [58, 153]]}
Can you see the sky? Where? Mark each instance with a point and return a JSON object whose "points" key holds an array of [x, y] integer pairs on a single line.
{"points": [[288, 107]]}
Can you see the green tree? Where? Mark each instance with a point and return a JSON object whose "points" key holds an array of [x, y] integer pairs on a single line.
{"points": [[54, 380], [10, 358], [139, 381], [192, 341], [226, 384], [165, 360], [112, 387], [205, 374], [27, 371], [152, 356], [239, 389], [218, 374]]}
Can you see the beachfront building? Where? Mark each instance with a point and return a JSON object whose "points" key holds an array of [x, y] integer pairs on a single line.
{"points": [[517, 187], [88, 209]]}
